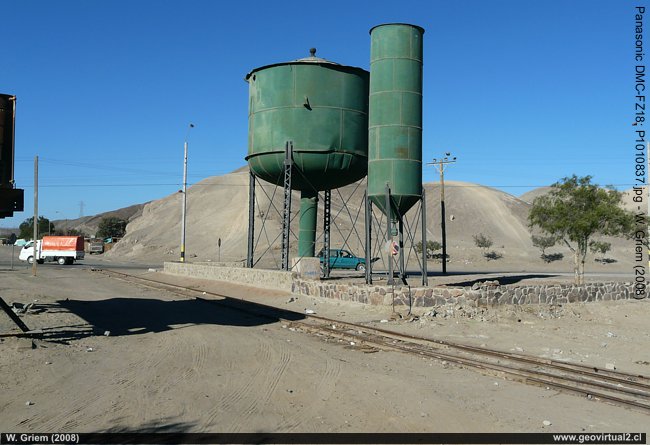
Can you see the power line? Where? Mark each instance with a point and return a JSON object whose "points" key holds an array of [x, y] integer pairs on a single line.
{"points": [[176, 184]]}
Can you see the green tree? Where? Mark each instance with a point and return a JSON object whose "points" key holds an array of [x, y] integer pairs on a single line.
{"points": [[600, 247], [74, 232], [543, 243], [575, 210], [111, 227], [484, 242], [432, 246], [27, 227]]}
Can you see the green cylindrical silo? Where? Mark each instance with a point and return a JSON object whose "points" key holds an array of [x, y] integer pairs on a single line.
{"points": [[322, 107], [395, 116]]}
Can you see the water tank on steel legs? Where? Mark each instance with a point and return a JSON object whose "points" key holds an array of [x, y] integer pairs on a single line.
{"points": [[322, 107], [395, 116]]}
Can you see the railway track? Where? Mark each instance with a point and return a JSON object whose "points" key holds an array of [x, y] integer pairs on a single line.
{"points": [[596, 384]]}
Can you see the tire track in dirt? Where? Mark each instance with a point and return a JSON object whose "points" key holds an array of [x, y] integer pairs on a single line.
{"points": [[144, 376], [231, 401], [324, 388], [281, 359], [129, 383]]}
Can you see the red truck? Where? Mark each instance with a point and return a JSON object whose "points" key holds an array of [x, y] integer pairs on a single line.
{"points": [[62, 249]]}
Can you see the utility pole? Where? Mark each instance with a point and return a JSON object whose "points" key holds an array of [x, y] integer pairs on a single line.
{"points": [[35, 245], [184, 195], [441, 165]]}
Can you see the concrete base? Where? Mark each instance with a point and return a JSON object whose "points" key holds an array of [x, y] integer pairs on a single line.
{"points": [[274, 279], [307, 268]]}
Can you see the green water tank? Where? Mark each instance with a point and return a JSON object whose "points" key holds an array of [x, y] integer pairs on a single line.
{"points": [[395, 116], [319, 105], [322, 107]]}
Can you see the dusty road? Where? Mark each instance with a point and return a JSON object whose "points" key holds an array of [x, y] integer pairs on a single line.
{"points": [[172, 363]]}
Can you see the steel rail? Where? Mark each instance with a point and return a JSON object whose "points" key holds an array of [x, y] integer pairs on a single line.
{"points": [[614, 380], [530, 373]]}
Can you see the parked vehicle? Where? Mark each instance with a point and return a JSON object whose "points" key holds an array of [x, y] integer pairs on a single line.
{"points": [[62, 249], [96, 246], [344, 259]]}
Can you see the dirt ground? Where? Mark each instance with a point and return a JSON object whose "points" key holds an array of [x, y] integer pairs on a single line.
{"points": [[118, 357]]}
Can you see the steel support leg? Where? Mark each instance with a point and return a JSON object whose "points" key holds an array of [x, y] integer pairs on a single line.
{"points": [[286, 214], [368, 204], [327, 220], [389, 234], [251, 220], [425, 277], [402, 266]]}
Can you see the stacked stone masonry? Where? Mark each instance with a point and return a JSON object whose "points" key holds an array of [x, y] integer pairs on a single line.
{"points": [[486, 294], [478, 296]]}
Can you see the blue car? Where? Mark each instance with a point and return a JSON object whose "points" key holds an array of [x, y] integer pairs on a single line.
{"points": [[344, 259]]}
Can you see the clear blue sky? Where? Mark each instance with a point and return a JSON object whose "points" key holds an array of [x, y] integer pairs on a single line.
{"points": [[522, 92]]}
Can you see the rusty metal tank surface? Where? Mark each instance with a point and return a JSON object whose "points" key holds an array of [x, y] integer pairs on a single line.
{"points": [[322, 107]]}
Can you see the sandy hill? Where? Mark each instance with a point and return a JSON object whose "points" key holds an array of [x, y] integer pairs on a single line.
{"points": [[530, 196], [217, 208], [630, 204], [89, 224]]}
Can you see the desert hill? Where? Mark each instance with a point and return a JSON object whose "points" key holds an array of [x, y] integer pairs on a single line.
{"points": [[217, 208], [89, 224]]}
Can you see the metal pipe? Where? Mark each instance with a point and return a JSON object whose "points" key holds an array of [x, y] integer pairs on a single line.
{"points": [[307, 223]]}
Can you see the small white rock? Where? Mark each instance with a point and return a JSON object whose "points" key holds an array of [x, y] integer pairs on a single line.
{"points": [[383, 321], [610, 366], [309, 311], [352, 343], [611, 334], [89, 349], [546, 423], [107, 333], [152, 270], [48, 363], [29, 403]]}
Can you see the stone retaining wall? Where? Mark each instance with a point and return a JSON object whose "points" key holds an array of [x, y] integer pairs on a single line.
{"points": [[486, 295], [274, 279]]}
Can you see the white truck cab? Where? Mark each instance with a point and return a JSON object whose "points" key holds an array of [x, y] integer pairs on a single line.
{"points": [[62, 249]]}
